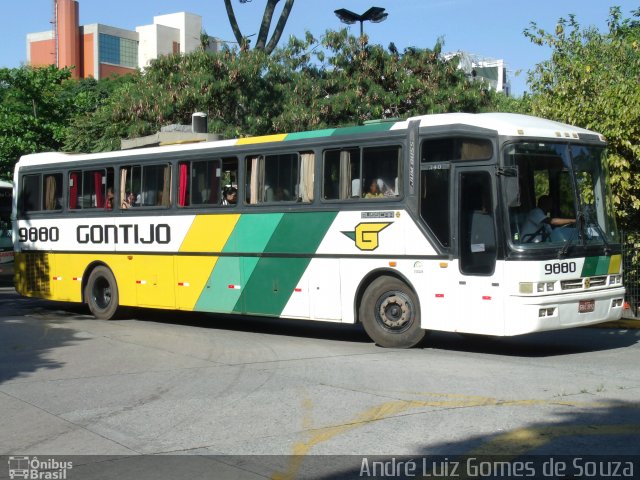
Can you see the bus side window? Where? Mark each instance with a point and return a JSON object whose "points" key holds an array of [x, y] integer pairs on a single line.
{"points": [[52, 191], [145, 186], [284, 177], [380, 171], [434, 201], [341, 174], [31, 194], [41, 193], [88, 188]]}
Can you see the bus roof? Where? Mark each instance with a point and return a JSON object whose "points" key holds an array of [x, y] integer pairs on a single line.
{"points": [[507, 124]]}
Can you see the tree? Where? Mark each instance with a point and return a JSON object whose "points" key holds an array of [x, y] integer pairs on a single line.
{"points": [[591, 80], [33, 112], [265, 25], [303, 85], [366, 82]]}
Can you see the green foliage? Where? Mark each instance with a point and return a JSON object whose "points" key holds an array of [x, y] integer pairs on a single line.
{"points": [[591, 80], [366, 82], [33, 110], [38, 105], [306, 84]]}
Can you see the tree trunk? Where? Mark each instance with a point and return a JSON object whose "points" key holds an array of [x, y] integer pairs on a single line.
{"points": [[263, 34], [234, 23], [266, 23], [282, 21]]}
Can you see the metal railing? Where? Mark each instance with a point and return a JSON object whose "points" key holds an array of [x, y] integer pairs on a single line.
{"points": [[631, 268]]}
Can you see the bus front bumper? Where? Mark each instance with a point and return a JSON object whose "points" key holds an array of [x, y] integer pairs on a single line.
{"points": [[553, 312]]}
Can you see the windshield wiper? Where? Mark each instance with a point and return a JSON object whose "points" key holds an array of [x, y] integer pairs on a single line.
{"points": [[576, 232], [606, 247]]}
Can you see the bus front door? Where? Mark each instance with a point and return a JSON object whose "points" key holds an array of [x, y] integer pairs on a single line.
{"points": [[479, 295]]}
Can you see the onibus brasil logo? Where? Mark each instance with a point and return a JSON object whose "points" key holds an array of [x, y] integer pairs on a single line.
{"points": [[32, 468], [366, 235]]}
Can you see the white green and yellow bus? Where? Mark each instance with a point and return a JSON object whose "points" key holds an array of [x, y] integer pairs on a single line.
{"points": [[402, 226]]}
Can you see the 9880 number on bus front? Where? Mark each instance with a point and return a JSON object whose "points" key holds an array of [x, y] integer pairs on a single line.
{"points": [[557, 268]]}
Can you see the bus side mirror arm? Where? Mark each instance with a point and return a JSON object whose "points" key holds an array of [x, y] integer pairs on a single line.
{"points": [[511, 185]]}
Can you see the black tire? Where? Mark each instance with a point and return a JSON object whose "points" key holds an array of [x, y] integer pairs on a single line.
{"points": [[390, 314], [101, 293]]}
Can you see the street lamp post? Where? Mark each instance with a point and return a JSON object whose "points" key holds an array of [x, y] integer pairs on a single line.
{"points": [[374, 15]]}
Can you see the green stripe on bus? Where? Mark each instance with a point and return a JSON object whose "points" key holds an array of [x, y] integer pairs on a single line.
{"points": [[328, 132], [226, 282], [274, 278], [219, 293], [377, 127], [306, 135], [252, 232], [595, 266]]}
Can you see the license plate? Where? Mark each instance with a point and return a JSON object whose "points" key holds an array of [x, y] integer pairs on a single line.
{"points": [[586, 306]]}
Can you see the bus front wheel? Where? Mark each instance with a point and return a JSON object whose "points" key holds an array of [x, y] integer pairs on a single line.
{"points": [[101, 293], [390, 313]]}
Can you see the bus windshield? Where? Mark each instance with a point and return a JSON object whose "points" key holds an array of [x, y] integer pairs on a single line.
{"points": [[564, 196]]}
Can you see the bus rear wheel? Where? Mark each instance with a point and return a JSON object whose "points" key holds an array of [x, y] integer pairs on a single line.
{"points": [[390, 314], [101, 293]]}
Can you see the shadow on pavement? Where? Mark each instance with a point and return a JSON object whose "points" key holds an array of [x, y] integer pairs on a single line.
{"points": [[589, 443], [543, 344], [254, 324], [25, 339]]}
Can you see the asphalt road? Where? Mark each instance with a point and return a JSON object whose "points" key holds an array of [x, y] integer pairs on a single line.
{"points": [[176, 383]]}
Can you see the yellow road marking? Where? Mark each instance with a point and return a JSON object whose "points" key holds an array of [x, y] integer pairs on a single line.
{"points": [[515, 442]]}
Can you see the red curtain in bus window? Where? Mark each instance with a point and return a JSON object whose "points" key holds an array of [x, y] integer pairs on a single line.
{"points": [[97, 181], [182, 192], [73, 190]]}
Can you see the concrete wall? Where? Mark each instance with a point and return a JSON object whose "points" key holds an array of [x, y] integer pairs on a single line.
{"points": [[107, 70], [155, 40], [189, 25], [41, 49]]}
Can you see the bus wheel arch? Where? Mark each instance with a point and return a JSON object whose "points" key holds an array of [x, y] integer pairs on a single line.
{"points": [[100, 291], [389, 310]]}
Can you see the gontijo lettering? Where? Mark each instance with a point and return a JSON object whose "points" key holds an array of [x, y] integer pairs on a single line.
{"points": [[127, 234]]}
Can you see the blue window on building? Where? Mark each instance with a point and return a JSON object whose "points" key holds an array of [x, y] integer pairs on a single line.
{"points": [[118, 51]]}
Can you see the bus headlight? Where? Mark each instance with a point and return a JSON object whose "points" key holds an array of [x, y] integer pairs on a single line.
{"points": [[545, 286], [615, 280]]}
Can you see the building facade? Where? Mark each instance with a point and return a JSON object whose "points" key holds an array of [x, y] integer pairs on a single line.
{"points": [[99, 51], [489, 70]]}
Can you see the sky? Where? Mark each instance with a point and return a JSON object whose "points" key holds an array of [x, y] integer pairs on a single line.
{"points": [[487, 28]]}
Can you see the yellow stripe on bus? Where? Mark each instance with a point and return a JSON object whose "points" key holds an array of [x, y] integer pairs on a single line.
{"points": [[209, 233], [263, 139], [192, 274], [614, 264]]}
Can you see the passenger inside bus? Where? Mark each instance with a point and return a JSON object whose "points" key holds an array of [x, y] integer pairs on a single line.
{"points": [[375, 190], [230, 196], [130, 201], [109, 202]]}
